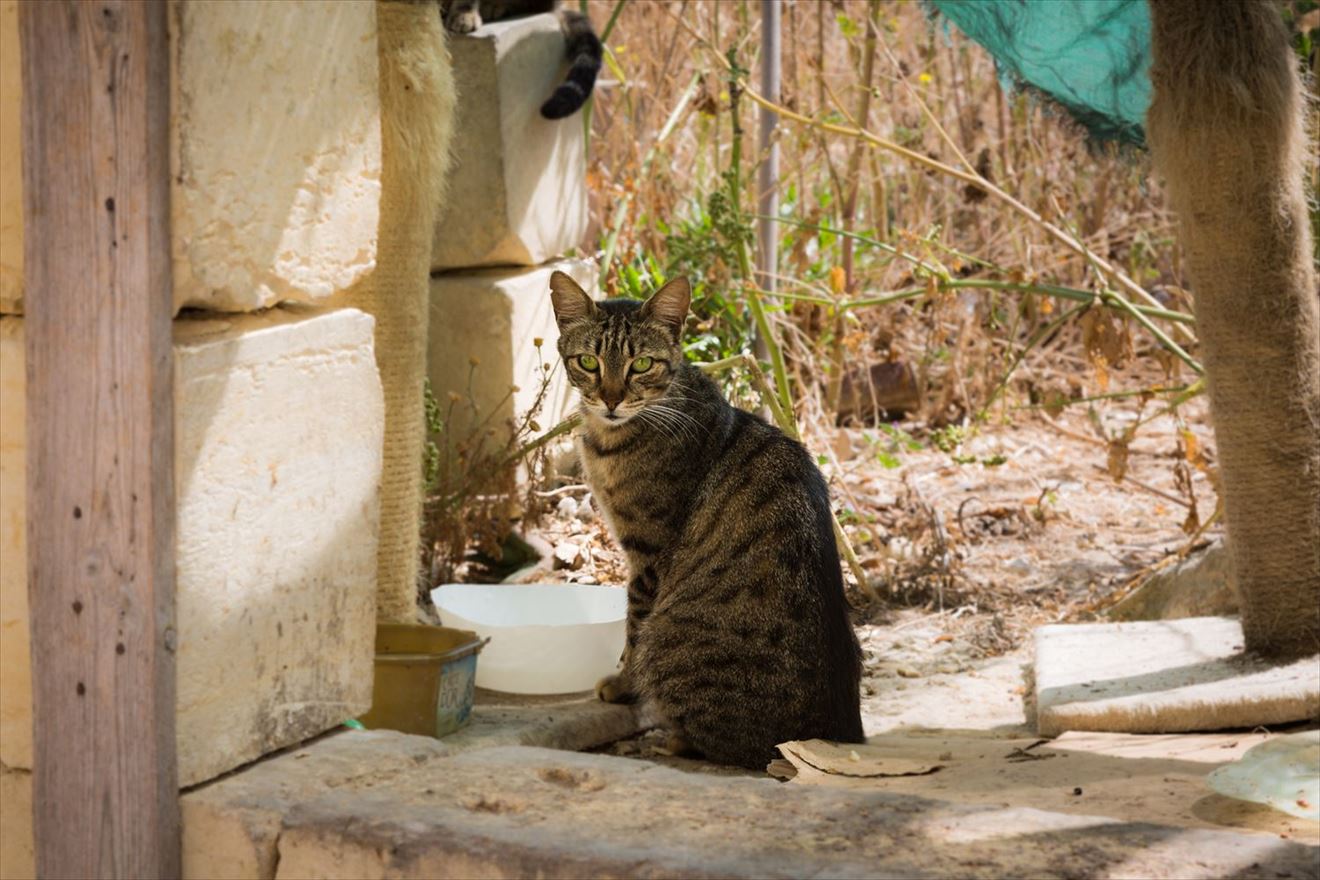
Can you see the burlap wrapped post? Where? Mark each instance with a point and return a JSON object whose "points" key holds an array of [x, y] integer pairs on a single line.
{"points": [[417, 113], [1226, 130]]}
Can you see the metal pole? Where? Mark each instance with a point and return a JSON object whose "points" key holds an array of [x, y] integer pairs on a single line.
{"points": [[767, 177]]}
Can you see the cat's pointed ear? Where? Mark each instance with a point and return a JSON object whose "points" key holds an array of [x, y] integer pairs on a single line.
{"points": [[669, 305], [571, 302]]}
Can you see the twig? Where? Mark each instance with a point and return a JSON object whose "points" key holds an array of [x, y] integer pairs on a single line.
{"points": [[1034, 340], [1063, 237], [531, 446], [759, 317], [622, 210], [1128, 307], [783, 419], [1182, 502]]}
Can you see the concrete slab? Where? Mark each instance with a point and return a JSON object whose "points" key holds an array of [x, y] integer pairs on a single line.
{"points": [[517, 811], [231, 829], [1159, 779], [231, 826], [1163, 677]]}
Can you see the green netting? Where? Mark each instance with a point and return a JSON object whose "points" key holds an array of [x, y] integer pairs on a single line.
{"points": [[1090, 56]]}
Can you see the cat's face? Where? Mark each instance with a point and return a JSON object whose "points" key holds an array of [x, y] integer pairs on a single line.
{"points": [[620, 354]]}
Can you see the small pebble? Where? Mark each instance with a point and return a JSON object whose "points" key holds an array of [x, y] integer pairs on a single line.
{"points": [[1077, 791], [908, 672]]}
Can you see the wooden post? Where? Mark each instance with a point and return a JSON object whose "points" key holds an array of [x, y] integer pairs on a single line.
{"points": [[100, 428]]}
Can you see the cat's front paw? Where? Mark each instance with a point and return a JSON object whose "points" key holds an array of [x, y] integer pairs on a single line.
{"points": [[677, 746], [464, 22], [614, 689]]}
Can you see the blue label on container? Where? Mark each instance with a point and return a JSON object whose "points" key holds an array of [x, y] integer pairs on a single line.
{"points": [[458, 682]]}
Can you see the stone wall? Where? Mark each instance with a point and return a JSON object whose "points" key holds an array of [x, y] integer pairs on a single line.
{"points": [[517, 190], [11, 163], [275, 150], [276, 160], [276, 172], [516, 208]]}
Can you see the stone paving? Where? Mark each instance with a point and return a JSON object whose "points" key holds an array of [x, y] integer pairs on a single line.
{"points": [[491, 801]]}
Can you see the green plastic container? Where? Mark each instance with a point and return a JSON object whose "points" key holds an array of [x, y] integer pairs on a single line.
{"points": [[425, 678]]}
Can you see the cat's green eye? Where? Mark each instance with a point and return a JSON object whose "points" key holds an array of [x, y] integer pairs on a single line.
{"points": [[588, 362], [641, 365]]}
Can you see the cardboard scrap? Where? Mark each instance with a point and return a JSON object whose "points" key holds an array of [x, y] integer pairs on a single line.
{"points": [[820, 762]]}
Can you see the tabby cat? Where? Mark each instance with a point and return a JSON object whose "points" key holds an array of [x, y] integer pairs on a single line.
{"points": [[581, 44], [738, 631]]}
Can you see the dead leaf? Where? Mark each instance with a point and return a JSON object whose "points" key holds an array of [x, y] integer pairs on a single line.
{"points": [[838, 280], [705, 101], [1189, 445], [1192, 524], [1107, 341], [1117, 462]]}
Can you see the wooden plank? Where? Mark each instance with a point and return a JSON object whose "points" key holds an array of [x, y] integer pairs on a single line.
{"points": [[100, 502]]}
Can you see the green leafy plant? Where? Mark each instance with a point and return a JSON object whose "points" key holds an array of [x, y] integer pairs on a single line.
{"points": [[470, 466]]}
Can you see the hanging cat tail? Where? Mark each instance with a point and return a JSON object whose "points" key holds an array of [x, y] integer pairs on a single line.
{"points": [[584, 55]]}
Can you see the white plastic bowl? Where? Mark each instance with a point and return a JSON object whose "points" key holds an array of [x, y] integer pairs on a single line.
{"points": [[544, 638]]}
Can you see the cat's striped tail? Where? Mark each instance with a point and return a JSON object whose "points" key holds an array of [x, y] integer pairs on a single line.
{"points": [[585, 55]]}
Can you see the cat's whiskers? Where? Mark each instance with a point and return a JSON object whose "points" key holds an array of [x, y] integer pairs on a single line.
{"points": [[680, 417], [676, 430], [671, 417], [660, 426]]}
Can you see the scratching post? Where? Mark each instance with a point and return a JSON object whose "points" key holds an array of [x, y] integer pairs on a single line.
{"points": [[1226, 130], [417, 99]]}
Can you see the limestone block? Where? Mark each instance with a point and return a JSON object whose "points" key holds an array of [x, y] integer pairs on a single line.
{"points": [[495, 316], [278, 426], [277, 463], [17, 854], [11, 163], [15, 665], [231, 827], [275, 150], [517, 189], [1202, 585]]}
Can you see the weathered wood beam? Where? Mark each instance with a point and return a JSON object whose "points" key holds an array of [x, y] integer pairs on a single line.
{"points": [[100, 502]]}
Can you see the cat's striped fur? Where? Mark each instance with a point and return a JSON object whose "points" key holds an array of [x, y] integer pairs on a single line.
{"points": [[737, 623]]}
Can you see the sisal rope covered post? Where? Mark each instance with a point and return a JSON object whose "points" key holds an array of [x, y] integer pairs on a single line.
{"points": [[1226, 130], [417, 112]]}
